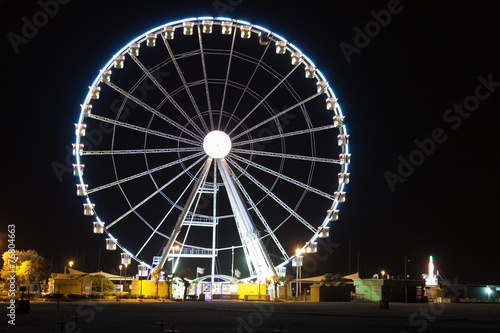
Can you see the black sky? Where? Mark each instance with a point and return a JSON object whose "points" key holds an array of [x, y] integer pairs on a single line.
{"points": [[396, 89]]}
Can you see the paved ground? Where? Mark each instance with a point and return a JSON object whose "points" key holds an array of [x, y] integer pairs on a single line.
{"points": [[254, 317]]}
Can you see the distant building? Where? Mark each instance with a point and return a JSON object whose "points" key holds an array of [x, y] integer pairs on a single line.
{"points": [[399, 290]]}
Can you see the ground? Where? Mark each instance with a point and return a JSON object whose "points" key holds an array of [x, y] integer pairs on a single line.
{"points": [[232, 316]]}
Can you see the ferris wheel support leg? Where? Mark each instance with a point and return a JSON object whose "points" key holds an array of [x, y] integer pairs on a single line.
{"points": [[259, 257], [177, 229]]}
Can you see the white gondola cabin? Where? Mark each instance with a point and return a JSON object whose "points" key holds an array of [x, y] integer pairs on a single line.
{"points": [[340, 196], [227, 27], [344, 178], [78, 169], [88, 209], [323, 232], [98, 227], [331, 103], [95, 93], [87, 110], [187, 28], [81, 190], [263, 38], [321, 87], [280, 47], [342, 139], [119, 61], [296, 58], [82, 131], [78, 149], [169, 32], [246, 31], [297, 261], [143, 270], [125, 259], [110, 244], [310, 72], [106, 76], [345, 158], [333, 215], [207, 26], [151, 40], [338, 121], [311, 247], [134, 49]]}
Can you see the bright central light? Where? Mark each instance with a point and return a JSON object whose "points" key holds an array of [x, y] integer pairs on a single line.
{"points": [[217, 144]]}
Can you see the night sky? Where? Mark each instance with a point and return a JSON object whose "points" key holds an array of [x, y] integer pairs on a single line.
{"points": [[424, 87]]}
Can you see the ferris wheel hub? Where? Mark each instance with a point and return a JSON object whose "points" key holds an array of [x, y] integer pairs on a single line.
{"points": [[217, 144]]}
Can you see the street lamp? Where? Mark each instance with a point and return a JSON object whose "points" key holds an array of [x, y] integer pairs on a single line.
{"points": [[121, 266], [383, 273], [66, 267]]}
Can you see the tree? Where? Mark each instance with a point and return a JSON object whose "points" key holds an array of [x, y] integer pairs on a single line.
{"points": [[286, 282], [97, 282], [29, 266]]}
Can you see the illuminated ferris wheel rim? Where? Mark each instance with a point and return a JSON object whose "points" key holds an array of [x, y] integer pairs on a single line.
{"points": [[242, 25]]}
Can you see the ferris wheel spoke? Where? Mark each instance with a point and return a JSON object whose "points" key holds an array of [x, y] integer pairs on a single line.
{"points": [[186, 86], [144, 173], [283, 135], [263, 100], [282, 155], [171, 99], [261, 217], [155, 193], [275, 116], [247, 85], [207, 92], [141, 151], [227, 78], [143, 129], [281, 176], [268, 192], [174, 205], [153, 110]]}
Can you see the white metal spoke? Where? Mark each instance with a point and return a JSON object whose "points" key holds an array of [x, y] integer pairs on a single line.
{"points": [[144, 173], [275, 116], [165, 217], [153, 110], [281, 176], [141, 151], [247, 85], [170, 98], [207, 92], [186, 86], [177, 228], [144, 130], [273, 196], [154, 193], [263, 99], [261, 217], [282, 155], [283, 135], [227, 78]]}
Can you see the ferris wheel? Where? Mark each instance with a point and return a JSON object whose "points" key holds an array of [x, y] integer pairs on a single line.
{"points": [[211, 138]]}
